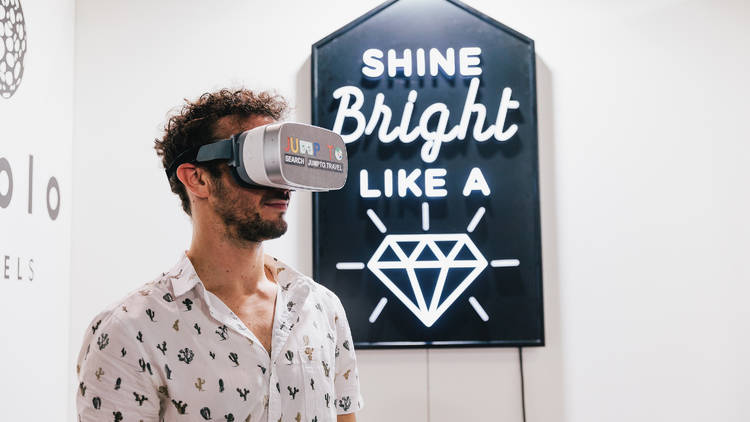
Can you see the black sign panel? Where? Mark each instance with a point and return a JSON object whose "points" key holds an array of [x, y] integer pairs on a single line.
{"points": [[435, 239]]}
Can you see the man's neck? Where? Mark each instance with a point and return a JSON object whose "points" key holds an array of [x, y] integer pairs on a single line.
{"points": [[229, 268]]}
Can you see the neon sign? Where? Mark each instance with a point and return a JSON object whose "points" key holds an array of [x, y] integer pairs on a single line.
{"points": [[351, 101], [435, 240]]}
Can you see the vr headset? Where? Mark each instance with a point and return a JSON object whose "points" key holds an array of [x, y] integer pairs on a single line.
{"points": [[278, 156]]}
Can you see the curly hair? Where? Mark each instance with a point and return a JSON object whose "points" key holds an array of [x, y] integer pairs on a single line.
{"points": [[195, 125]]}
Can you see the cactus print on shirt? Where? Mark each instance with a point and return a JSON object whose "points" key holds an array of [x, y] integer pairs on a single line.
{"points": [[173, 351]]}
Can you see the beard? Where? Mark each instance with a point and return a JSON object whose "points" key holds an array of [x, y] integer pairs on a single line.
{"points": [[242, 221]]}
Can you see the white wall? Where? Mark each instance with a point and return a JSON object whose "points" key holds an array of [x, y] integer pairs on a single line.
{"points": [[642, 109], [37, 120]]}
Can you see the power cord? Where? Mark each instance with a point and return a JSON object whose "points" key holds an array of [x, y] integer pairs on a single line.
{"points": [[523, 390]]}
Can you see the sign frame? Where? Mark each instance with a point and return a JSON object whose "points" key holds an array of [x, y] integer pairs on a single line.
{"points": [[536, 237]]}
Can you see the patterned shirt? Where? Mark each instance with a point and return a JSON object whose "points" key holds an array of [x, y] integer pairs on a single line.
{"points": [[173, 351]]}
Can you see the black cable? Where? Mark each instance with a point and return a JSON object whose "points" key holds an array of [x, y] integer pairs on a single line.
{"points": [[523, 392]]}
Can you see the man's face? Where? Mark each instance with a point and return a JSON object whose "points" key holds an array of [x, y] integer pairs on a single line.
{"points": [[250, 215]]}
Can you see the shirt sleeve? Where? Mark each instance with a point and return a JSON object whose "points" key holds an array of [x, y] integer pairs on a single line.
{"points": [[346, 380], [112, 387]]}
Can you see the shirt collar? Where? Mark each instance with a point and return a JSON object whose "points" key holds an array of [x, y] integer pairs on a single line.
{"points": [[292, 293], [184, 278]]}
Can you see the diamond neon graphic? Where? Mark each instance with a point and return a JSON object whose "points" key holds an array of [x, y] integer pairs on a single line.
{"points": [[428, 310], [409, 263]]}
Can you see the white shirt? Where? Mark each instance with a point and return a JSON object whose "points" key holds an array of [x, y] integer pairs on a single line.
{"points": [[173, 351]]}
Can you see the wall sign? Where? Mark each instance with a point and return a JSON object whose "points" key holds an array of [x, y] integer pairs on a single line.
{"points": [[35, 225], [435, 239]]}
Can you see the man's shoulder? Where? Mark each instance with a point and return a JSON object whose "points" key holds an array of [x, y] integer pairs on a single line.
{"points": [[153, 294], [113, 330], [323, 298], [156, 292], [318, 292], [319, 295], [323, 292]]}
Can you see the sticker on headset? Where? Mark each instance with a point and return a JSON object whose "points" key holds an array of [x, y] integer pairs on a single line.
{"points": [[295, 160], [325, 165]]}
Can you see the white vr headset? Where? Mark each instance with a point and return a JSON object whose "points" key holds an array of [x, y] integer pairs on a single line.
{"points": [[278, 156]]}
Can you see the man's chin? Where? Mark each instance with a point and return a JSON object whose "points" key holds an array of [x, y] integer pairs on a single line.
{"points": [[263, 232], [280, 231]]}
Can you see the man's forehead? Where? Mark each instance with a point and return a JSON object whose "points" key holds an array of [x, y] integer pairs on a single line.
{"points": [[227, 126]]}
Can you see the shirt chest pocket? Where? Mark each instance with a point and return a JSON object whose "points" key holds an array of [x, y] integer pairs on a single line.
{"points": [[317, 371]]}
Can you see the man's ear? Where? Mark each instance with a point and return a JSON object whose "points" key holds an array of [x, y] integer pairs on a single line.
{"points": [[195, 179]]}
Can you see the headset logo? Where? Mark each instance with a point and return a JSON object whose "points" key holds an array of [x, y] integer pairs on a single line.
{"points": [[311, 148]]}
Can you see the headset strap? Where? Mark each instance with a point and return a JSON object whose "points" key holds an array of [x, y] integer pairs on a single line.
{"points": [[219, 150]]}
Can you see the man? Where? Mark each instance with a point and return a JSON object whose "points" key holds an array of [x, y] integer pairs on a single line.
{"points": [[229, 333]]}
